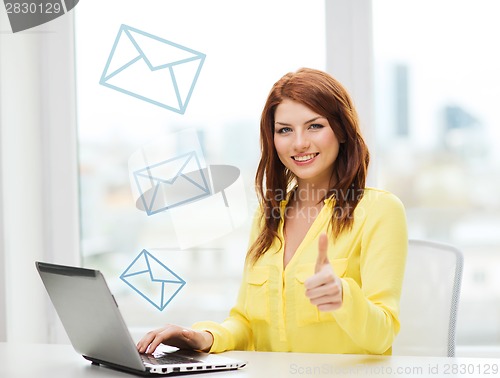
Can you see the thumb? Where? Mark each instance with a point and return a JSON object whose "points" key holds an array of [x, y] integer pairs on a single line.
{"points": [[196, 339], [188, 334], [322, 252]]}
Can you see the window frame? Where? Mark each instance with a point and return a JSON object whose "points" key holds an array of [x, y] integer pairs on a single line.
{"points": [[39, 209]]}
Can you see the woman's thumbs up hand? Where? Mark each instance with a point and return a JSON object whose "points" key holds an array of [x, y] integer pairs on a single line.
{"points": [[324, 288]]}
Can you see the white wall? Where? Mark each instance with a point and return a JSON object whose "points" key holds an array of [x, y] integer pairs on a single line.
{"points": [[3, 308], [349, 59], [38, 176]]}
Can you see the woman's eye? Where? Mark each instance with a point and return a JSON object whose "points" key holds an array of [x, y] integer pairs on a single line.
{"points": [[283, 130], [316, 126]]}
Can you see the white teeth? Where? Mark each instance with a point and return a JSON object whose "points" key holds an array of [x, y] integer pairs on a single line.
{"points": [[304, 157]]}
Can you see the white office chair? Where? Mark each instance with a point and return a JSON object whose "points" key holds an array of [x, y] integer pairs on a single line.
{"points": [[429, 300]]}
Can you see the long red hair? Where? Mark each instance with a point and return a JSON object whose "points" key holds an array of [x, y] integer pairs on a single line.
{"points": [[324, 95]]}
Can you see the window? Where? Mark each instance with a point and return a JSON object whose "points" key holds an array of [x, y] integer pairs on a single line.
{"points": [[436, 92], [248, 46]]}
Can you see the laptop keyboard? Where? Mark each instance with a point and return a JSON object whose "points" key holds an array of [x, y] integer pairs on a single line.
{"points": [[168, 359]]}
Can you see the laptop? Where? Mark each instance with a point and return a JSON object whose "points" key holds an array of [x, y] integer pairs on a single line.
{"points": [[97, 331]]}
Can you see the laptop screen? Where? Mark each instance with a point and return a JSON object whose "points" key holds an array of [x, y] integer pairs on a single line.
{"points": [[89, 314]]}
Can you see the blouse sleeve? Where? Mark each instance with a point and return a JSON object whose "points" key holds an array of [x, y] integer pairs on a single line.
{"points": [[370, 313], [234, 333]]}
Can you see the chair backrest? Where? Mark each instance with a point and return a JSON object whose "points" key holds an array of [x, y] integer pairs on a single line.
{"points": [[429, 300]]}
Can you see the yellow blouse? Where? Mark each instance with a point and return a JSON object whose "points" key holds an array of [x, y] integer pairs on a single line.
{"points": [[272, 312]]}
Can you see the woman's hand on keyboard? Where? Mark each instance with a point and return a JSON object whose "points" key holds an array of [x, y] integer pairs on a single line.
{"points": [[182, 338]]}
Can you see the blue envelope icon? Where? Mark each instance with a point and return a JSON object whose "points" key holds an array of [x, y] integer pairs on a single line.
{"points": [[152, 280], [170, 183], [152, 69]]}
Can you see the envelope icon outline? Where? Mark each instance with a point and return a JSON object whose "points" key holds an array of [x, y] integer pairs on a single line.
{"points": [[175, 182], [171, 69], [152, 275]]}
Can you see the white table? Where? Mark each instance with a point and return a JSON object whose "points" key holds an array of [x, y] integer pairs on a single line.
{"points": [[61, 361]]}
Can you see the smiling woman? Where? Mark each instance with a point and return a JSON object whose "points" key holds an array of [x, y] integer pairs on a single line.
{"points": [[335, 274], [301, 98]]}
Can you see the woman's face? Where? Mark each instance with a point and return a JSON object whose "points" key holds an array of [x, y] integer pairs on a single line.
{"points": [[305, 143]]}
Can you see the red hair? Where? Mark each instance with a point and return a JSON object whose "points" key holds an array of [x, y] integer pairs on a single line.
{"points": [[326, 96]]}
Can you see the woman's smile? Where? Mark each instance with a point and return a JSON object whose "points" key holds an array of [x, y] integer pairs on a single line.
{"points": [[304, 158]]}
